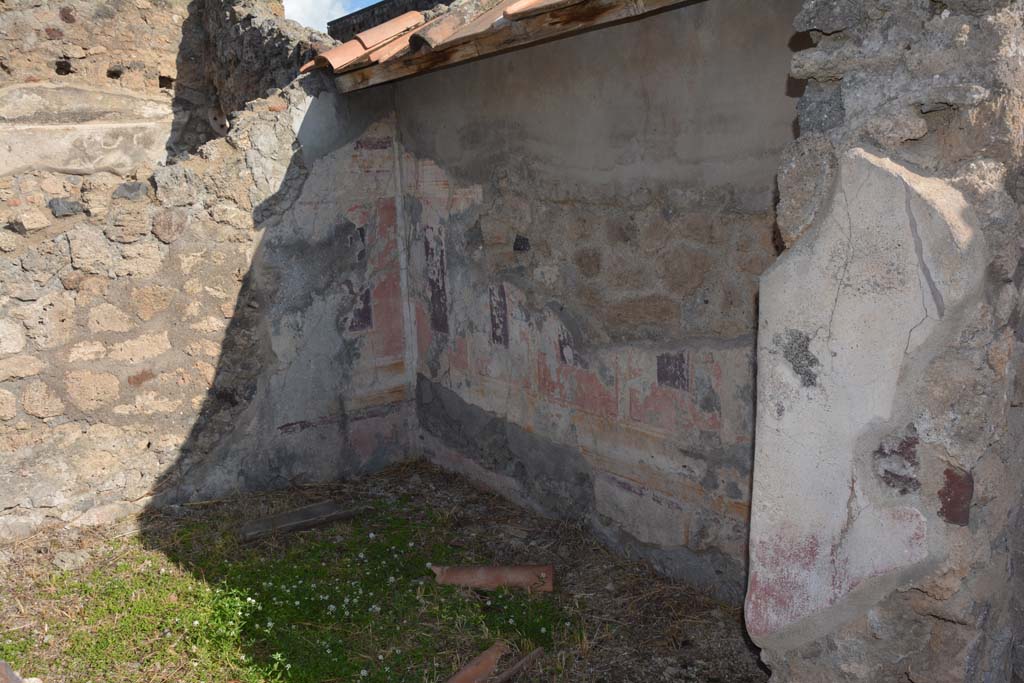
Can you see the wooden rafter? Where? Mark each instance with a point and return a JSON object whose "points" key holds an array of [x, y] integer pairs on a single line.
{"points": [[501, 35]]}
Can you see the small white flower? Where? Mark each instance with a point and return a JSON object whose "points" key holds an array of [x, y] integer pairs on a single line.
{"points": [[380, 658], [195, 623], [364, 673], [372, 535]]}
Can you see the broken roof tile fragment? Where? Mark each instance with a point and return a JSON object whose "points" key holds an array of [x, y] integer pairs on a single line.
{"points": [[437, 31], [376, 36], [531, 8], [336, 58], [357, 52], [481, 25], [392, 49]]}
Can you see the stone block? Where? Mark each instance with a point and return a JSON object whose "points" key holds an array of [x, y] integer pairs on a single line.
{"points": [[88, 350], [31, 220], [131, 222], [805, 184], [141, 348], [19, 367], [169, 224], [683, 269], [39, 400], [8, 405], [133, 191], [62, 207], [106, 514], [49, 320], [91, 390], [90, 250], [140, 259], [149, 301], [12, 336], [108, 318]]}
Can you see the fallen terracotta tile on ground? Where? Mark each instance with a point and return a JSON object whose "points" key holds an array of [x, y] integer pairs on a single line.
{"points": [[482, 666], [539, 578]]}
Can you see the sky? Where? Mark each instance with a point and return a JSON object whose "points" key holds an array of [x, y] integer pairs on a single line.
{"points": [[316, 13]]}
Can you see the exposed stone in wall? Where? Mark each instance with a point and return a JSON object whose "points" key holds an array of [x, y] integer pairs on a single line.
{"points": [[583, 274], [249, 49], [885, 516], [181, 330], [238, 317], [304, 389]]}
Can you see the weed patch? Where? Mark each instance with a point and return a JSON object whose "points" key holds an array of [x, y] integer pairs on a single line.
{"points": [[352, 602]]}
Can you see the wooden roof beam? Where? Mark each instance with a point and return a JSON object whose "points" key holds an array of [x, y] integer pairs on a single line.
{"points": [[504, 35]]}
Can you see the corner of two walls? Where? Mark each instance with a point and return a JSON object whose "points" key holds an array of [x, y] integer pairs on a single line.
{"points": [[582, 282], [311, 383]]}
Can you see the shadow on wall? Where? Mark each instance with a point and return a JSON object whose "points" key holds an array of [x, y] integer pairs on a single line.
{"points": [[192, 124], [276, 412], [279, 410], [297, 394]]}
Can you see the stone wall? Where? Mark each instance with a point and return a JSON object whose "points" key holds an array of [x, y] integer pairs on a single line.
{"points": [[556, 296], [886, 526], [563, 295], [584, 259], [169, 332], [93, 405]]}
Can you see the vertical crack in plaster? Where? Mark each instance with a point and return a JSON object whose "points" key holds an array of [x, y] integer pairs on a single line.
{"points": [[853, 511], [940, 305], [846, 265]]}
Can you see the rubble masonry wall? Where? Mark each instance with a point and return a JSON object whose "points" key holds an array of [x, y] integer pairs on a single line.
{"points": [[588, 221]]}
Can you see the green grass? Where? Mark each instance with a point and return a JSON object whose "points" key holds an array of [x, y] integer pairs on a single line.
{"points": [[346, 603]]}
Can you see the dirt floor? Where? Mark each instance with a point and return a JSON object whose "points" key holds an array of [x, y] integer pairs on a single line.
{"points": [[634, 626]]}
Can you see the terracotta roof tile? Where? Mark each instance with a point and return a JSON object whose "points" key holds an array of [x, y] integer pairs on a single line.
{"points": [[470, 29], [336, 58], [437, 31], [480, 25], [398, 46], [530, 8], [378, 35], [358, 52]]}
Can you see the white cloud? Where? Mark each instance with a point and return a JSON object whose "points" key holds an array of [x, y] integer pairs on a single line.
{"points": [[316, 13]]}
